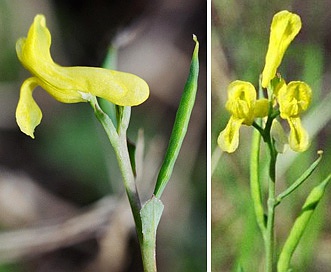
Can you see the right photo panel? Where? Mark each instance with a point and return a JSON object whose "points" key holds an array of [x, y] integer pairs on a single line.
{"points": [[270, 136]]}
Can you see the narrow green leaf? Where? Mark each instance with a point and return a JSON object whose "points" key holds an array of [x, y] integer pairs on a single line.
{"points": [[300, 180], [181, 123], [300, 225]]}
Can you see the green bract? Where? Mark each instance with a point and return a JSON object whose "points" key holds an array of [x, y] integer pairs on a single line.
{"points": [[67, 84]]}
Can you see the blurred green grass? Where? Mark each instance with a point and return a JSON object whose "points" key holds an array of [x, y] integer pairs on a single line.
{"points": [[240, 34]]}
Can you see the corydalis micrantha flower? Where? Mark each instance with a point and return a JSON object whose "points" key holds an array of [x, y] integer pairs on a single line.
{"points": [[295, 97], [244, 108], [67, 84], [292, 99]]}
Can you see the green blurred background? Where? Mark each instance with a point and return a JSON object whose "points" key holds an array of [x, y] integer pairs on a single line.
{"points": [[240, 35], [70, 164]]}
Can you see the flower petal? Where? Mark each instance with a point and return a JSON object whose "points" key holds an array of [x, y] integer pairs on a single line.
{"points": [[66, 84], [294, 99], [241, 100], [33, 51], [28, 113], [228, 139], [120, 88], [284, 27], [299, 138]]}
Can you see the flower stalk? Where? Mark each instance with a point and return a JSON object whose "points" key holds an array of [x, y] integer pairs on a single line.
{"points": [[270, 233], [119, 143]]}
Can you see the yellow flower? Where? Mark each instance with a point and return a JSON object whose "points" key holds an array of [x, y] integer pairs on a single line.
{"points": [[244, 108], [67, 84], [293, 99], [284, 27]]}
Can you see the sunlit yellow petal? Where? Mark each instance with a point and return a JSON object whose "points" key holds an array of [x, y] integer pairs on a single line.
{"points": [[284, 27], [33, 51], [299, 138], [66, 84], [228, 139], [120, 88], [294, 99], [28, 114]]}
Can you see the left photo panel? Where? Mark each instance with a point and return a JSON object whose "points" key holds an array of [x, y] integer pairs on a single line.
{"points": [[103, 136]]}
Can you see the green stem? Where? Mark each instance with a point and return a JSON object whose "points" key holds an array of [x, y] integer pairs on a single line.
{"points": [[149, 256], [147, 247], [270, 235], [123, 158], [300, 180], [119, 143], [268, 229]]}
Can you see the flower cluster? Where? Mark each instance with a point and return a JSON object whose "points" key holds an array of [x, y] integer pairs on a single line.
{"points": [[286, 100], [67, 84]]}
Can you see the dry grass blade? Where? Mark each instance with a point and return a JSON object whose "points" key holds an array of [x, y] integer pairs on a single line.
{"points": [[29, 242]]}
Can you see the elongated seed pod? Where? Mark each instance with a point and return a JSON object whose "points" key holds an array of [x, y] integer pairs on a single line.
{"points": [[181, 123]]}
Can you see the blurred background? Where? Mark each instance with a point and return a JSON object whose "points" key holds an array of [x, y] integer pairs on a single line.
{"points": [[240, 35], [62, 203]]}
